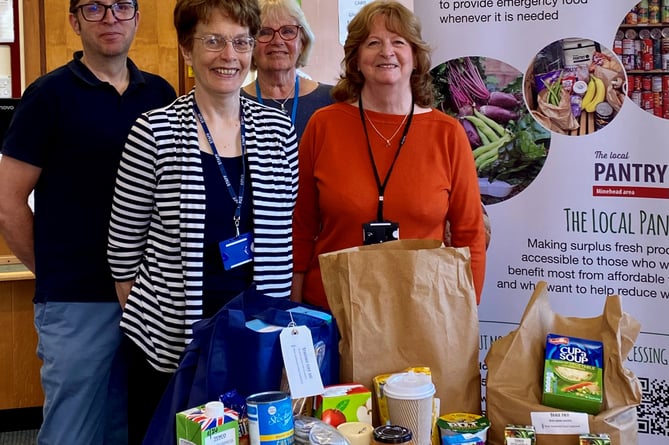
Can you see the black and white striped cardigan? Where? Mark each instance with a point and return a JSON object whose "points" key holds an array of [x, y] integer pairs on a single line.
{"points": [[156, 230]]}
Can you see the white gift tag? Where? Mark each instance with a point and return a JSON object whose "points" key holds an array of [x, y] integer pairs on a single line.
{"points": [[560, 422], [299, 359]]}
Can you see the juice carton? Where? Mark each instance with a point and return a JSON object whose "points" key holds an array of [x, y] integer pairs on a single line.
{"points": [[194, 427], [344, 403]]}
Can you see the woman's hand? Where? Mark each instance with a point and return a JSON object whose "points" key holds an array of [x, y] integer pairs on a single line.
{"points": [[296, 288], [123, 291]]}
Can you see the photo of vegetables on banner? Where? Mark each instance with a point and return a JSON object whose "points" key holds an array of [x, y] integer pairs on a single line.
{"points": [[575, 86], [509, 146]]}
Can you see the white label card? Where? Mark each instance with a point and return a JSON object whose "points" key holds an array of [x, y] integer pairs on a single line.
{"points": [[299, 359], [560, 422]]}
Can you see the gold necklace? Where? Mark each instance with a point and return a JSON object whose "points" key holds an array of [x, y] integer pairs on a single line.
{"points": [[388, 140]]}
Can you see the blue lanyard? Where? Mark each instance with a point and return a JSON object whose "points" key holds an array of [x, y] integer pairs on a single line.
{"points": [[296, 96], [236, 198]]}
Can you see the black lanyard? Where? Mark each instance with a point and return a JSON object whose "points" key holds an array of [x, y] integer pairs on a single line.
{"points": [[236, 198], [382, 186]]}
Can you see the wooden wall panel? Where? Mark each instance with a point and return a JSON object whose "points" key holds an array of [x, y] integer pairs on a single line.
{"points": [[19, 366], [27, 390], [6, 340], [154, 49]]}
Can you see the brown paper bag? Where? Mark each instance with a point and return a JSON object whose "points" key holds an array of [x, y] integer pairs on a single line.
{"points": [[559, 114], [516, 362], [407, 303]]}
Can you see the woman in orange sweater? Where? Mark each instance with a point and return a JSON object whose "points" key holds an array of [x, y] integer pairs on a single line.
{"points": [[381, 163]]}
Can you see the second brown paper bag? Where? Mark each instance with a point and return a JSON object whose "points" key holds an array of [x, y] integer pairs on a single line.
{"points": [[516, 363], [407, 303]]}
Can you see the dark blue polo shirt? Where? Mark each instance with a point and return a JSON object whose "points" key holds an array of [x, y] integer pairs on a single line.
{"points": [[74, 126]]}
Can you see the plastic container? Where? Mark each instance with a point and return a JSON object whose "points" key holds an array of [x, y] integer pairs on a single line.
{"points": [[463, 428], [392, 434]]}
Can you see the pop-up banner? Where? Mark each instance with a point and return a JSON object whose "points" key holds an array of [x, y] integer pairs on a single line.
{"points": [[566, 104]]}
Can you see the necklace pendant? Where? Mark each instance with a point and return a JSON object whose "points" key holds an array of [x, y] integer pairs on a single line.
{"points": [[387, 143]]}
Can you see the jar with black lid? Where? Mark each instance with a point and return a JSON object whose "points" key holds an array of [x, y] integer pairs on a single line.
{"points": [[392, 434]]}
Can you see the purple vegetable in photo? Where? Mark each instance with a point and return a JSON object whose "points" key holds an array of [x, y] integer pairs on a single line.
{"points": [[472, 134], [504, 100], [499, 114]]}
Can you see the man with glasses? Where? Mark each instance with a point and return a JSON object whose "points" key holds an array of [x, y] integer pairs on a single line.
{"points": [[64, 143]]}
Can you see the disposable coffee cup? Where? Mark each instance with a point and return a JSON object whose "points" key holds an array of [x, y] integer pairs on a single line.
{"points": [[409, 397]]}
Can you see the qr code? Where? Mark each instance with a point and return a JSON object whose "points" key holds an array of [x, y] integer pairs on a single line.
{"points": [[653, 412]]}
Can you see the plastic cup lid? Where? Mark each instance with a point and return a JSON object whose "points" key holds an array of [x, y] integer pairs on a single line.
{"points": [[409, 386]]}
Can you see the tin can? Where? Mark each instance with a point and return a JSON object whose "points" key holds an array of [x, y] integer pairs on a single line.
{"points": [[653, 14], [646, 83], [618, 47], [636, 83], [656, 84], [603, 114], [665, 82], [270, 418], [647, 62], [657, 104], [646, 100], [636, 98], [642, 11]]}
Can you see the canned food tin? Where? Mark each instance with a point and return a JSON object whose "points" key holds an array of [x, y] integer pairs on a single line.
{"points": [[656, 84], [646, 83], [636, 98], [603, 114], [647, 100], [270, 418], [657, 104]]}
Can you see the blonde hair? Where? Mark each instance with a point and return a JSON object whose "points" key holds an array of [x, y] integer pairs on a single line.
{"points": [[274, 9]]}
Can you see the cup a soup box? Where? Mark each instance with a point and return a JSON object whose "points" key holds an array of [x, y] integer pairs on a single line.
{"points": [[194, 427], [344, 403], [573, 374]]}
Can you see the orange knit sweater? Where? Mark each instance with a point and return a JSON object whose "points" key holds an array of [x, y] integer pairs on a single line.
{"points": [[433, 180]]}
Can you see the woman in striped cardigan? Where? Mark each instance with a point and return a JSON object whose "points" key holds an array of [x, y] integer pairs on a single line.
{"points": [[204, 198]]}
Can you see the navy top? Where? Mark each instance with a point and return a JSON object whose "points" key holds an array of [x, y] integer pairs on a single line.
{"points": [[221, 285], [74, 126], [306, 105]]}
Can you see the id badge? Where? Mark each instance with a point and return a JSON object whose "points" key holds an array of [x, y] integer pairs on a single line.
{"points": [[375, 232], [236, 251]]}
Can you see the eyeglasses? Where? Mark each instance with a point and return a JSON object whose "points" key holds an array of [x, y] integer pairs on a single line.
{"points": [[96, 12], [286, 32], [218, 43]]}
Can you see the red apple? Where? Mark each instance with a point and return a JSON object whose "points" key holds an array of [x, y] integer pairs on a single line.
{"points": [[333, 416]]}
